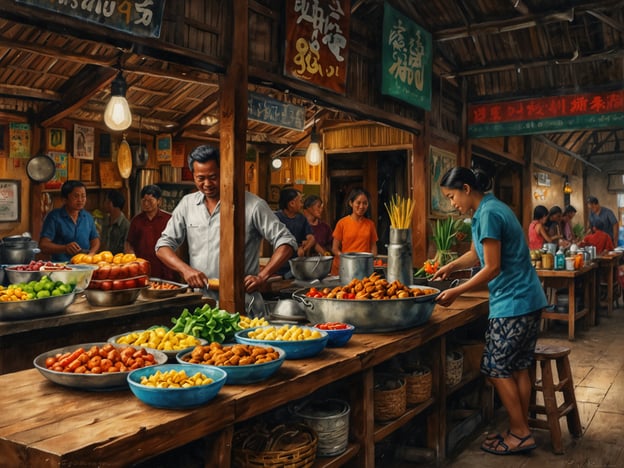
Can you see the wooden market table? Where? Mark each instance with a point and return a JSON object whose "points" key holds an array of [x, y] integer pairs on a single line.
{"points": [[22, 340], [567, 279], [44, 424], [608, 264]]}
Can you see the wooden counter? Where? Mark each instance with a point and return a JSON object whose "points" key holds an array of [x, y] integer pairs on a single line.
{"points": [[22, 340], [44, 424]]}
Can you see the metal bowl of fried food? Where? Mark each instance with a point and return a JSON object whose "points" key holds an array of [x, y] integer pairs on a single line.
{"points": [[160, 289], [33, 308], [371, 315]]}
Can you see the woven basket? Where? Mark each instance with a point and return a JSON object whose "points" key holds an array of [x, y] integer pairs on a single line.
{"points": [[389, 396], [285, 446], [454, 368], [418, 386]]}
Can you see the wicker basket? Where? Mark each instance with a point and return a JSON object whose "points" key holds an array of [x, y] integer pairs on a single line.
{"points": [[454, 368], [389, 397], [418, 386], [285, 446]]}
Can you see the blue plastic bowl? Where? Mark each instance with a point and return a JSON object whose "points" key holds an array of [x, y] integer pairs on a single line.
{"points": [[294, 349], [177, 398], [338, 338], [247, 374]]}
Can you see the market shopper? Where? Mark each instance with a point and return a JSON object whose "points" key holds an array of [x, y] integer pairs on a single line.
{"points": [[553, 226], [289, 213], [196, 218], [313, 210], [598, 238], [116, 227], [538, 235], [567, 230], [145, 230], [354, 232], [607, 216], [70, 229], [516, 299]]}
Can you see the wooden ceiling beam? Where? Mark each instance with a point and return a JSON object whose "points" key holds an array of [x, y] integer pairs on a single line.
{"points": [[23, 92], [196, 113], [566, 151]]}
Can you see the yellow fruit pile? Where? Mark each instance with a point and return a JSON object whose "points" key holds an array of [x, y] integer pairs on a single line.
{"points": [[104, 256]]}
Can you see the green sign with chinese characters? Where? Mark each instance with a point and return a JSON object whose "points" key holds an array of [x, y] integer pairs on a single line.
{"points": [[407, 51]]}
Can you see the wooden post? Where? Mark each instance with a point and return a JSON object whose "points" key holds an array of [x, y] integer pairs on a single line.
{"points": [[233, 148]]}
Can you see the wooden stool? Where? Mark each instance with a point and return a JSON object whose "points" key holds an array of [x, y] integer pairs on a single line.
{"points": [[545, 354]]}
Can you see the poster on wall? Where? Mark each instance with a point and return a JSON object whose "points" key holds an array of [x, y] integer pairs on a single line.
{"points": [[10, 200], [57, 139], [84, 138], [440, 162], [178, 155], [60, 174], [163, 147], [19, 136]]}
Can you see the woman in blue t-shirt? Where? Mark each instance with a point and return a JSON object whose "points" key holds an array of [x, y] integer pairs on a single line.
{"points": [[515, 294]]}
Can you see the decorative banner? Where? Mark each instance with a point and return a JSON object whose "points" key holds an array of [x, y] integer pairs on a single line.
{"points": [[60, 173], [547, 114], [57, 139], [163, 147], [83, 142], [407, 56], [19, 136], [317, 37], [178, 156], [440, 162], [138, 17], [268, 110]]}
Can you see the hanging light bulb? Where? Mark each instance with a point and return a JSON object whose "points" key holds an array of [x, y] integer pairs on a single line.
{"points": [[117, 115], [276, 163], [314, 155], [567, 188]]}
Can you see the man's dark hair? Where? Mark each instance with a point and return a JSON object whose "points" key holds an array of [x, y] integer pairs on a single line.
{"points": [[203, 154], [69, 186], [116, 198], [593, 200], [286, 196], [153, 190]]}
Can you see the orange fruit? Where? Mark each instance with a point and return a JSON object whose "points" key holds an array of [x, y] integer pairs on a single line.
{"points": [[87, 259], [127, 258], [97, 258], [78, 258], [107, 255], [117, 258]]}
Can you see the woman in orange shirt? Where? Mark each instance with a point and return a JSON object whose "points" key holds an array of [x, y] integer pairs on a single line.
{"points": [[355, 232]]}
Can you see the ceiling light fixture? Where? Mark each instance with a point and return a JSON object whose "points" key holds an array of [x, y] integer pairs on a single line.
{"points": [[117, 115], [567, 188], [314, 155], [276, 163]]}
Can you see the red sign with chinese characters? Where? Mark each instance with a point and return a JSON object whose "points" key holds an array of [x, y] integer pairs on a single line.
{"points": [[317, 36]]}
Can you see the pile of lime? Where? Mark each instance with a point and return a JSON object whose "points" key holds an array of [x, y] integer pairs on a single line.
{"points": [[44, 287]]}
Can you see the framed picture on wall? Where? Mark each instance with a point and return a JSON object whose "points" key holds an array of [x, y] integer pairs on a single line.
{"points": [[10, 201], [57, 139], [440, 161]]}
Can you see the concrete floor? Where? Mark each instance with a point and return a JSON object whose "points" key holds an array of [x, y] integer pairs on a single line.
{"points": [[597, 361]]}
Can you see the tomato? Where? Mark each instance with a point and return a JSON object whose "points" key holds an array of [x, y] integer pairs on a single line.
{"points": [[129, 283], [144, 266], [142, 281], [124, 271], [133, 269], [118, 284], [106, 285], [332, 326], [115, 271], [103, 272]]}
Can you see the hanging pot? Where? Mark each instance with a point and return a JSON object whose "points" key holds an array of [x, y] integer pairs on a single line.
{"points": [[40, 168]]}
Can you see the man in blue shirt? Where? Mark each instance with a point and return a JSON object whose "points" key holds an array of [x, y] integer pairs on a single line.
{"points": [[607, 217], [70, 229]]}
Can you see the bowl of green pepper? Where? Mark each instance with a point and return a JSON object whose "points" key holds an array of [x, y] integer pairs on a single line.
{"points": [[207, 322]]}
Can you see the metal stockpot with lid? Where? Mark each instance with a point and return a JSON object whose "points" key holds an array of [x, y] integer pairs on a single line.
{"points": [[18, 250]]}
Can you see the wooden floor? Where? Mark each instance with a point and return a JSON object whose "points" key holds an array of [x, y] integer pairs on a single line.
{"points": [[597, 361]]}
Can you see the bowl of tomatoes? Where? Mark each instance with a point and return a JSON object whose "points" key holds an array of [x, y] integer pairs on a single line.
{"points": [[339, 333]]}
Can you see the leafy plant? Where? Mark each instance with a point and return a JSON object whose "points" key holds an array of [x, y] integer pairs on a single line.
{"points": [[445, 233], [578, 230]]}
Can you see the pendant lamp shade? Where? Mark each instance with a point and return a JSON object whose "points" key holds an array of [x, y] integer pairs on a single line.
{"points": [[117, 115]]}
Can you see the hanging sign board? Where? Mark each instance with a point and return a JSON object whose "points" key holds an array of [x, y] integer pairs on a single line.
{"points": [[138, 17], [547, 114], [317, 37], [280, 114], [407, 57]]}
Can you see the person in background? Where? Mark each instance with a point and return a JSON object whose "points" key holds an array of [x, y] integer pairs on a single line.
{"points": [[553, 226], [196, 218], [516, 299], [290, 203], [538, 235], [312, 210], [598, 238], [567, 231], [145, 230], [607, 217], [354, 232], [116, 228], [70, 229]]}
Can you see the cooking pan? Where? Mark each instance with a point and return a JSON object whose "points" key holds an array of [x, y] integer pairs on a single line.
{"points": [[40, 168]]}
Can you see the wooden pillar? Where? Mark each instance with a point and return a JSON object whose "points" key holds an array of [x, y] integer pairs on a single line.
{"points": [[233, 148]]}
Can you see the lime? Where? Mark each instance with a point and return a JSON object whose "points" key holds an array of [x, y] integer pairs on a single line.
{"points": [[43, 293], [38, 287], [57, 292], [65, 288]]}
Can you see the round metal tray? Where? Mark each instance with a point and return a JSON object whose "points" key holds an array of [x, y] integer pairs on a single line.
{"points": [[149, 293]]}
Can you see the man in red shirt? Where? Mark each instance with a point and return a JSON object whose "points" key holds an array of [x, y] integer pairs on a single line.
{"points": [[598, 238], [146, 228]]}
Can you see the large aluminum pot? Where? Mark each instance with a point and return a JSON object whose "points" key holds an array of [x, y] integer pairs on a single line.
{"points": [[18, 253], [355, 265], [310, 268], [370, 316]]}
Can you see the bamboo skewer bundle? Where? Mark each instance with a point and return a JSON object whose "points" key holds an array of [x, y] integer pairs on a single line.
{"points": [[400, 212]]}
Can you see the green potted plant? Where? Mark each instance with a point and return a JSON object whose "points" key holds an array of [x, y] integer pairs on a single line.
{"points": [[445, 237]]}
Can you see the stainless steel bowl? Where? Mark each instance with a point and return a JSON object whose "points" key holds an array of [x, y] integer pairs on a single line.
{"points": [[107, 381], [78, 275], [310, 268], [97, 297], [370, 316], [21, 310], [150, 293]]}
